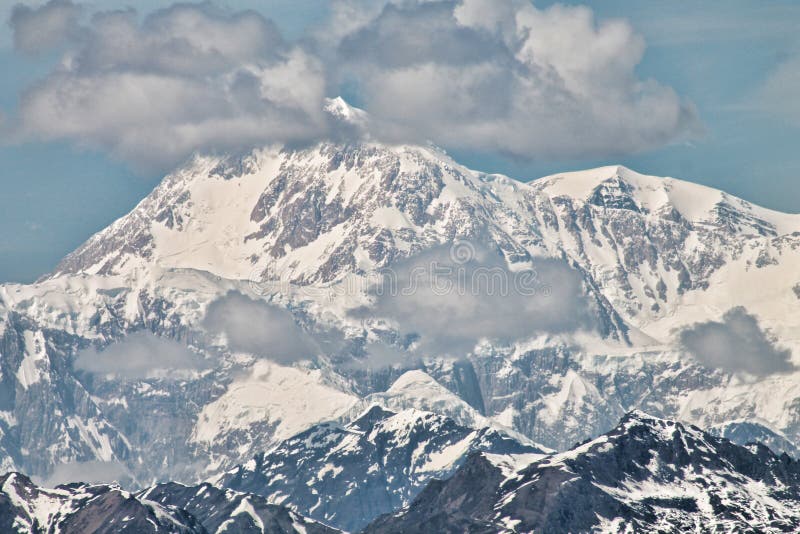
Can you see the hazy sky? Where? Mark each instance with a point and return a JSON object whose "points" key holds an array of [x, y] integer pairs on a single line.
{"points": [[714, 88]]}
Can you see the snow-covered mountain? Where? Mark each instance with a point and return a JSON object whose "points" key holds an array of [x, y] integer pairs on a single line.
{"points": [[625, 264], [26, 508], [664, 252], [221, 510], [645, 475], [348, 475]]}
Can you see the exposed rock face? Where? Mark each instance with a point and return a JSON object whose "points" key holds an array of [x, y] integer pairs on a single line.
{"points": [[348, 475], [646, 475]]}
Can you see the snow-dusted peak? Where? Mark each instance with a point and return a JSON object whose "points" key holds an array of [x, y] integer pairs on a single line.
{"points": [[619, 187], [309, 215], [638, 430], [341, 110], [413, 381], [578, 184], [416, 389], [318, 215], [659, 428], [347, 475]]}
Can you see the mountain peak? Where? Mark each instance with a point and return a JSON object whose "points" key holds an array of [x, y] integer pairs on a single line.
{"points": [[316, 214], [339, 108], [619, 187], [345, 476], [640, 417]]}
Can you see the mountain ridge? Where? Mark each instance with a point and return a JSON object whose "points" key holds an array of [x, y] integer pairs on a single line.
{"points": [[345, 475], [645, 474]]}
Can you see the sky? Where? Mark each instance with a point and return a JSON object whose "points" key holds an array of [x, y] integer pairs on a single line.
{"points": [[703, 91]]}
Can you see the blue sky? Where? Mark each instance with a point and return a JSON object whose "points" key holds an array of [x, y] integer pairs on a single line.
{"points": [[722, 57]]}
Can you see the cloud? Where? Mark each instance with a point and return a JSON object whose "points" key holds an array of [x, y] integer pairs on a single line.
{"points": [[39, 29], [496, 76], [184, 79], [453, 300], [382, 355], [93, 472], [736, 344], [778, 94], [259, 328], [505, 76], [141, 355]]}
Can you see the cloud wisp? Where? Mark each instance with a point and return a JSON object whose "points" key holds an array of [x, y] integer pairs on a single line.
{"points": [[92, 472], [452, 301], [259, 328], [778, 94], [499, 76], [141, 355], [736, 344]]}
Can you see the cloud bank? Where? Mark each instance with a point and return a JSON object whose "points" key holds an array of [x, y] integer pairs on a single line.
{"points": [[141, 355], [736, 344], [508, 77], [499, 75]]}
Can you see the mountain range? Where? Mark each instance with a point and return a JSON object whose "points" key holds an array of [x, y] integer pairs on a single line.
{"points": [[646, 474], [250, 299]]}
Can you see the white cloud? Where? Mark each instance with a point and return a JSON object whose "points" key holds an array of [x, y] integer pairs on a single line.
{"points": [[38, 29], [187, 78], [509, 77], [259, 328], [498, 76], [736, 344], [383, 355], [452, 305], [141, 355]]}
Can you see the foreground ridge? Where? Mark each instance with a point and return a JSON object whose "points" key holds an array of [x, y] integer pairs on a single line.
{"points": [[348, 475], [647, 474], [165, 508]]}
